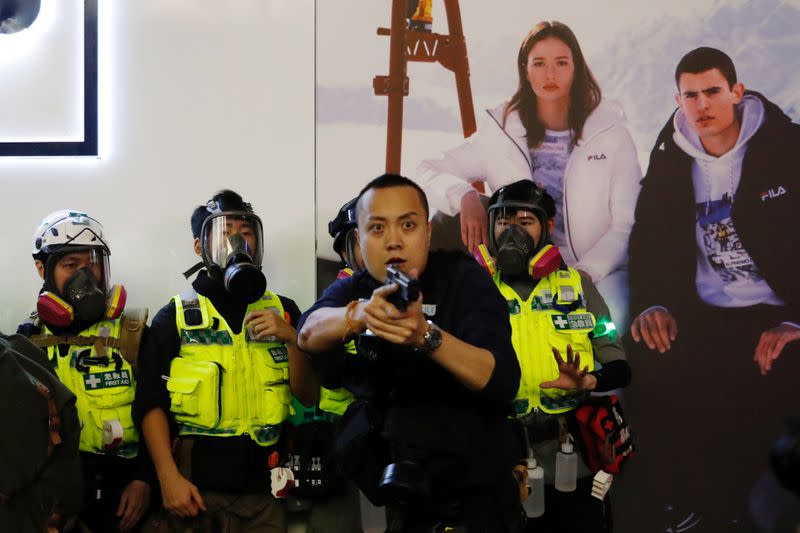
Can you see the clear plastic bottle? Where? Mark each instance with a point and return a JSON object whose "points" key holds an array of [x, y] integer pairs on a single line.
{"points": [[566, 468], [534, 505]]}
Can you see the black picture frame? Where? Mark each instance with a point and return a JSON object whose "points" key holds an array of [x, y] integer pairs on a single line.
{"points": [[87, 147]]}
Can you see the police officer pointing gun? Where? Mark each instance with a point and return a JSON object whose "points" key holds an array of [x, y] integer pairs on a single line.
{"points": [[428, 435]]}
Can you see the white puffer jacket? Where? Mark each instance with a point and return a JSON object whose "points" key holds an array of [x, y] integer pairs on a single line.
{"points": [[601, 186]]}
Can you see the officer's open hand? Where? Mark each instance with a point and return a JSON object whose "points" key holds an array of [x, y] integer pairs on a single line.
{"points": [[133, 503], [771, 344], [570, 375], [473, 221], [657, 327], [265, 323], [181, 497], [388, 322]]}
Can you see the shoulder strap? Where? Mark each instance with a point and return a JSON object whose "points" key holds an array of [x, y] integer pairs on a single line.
{"points": [[190, 311], [45, 341], [566, 285], [130, 334], [130, 337]]}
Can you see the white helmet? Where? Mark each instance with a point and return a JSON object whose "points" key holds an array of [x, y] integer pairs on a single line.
{"points": [[69, 228], [69, 231]]}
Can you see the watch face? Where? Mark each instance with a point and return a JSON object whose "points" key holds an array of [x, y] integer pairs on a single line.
{"points": [[433, 337]]}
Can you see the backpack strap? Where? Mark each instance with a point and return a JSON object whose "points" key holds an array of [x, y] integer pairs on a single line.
{"points": [[53, 418], [130, 335], [45, 341]]}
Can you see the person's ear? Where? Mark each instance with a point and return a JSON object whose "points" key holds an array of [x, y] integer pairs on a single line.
{"points": [[738, 92], [39, 268], [678, 99], [551, 224], [197, 246]]}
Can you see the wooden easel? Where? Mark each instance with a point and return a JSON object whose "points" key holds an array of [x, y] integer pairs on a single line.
{"points": [[409, 45]]}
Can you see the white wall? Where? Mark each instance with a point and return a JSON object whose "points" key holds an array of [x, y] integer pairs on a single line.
{"points": [[201, 97]]}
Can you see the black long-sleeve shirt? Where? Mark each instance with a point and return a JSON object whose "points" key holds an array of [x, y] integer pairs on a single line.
{"points": [[228, 464], [427, 407]]}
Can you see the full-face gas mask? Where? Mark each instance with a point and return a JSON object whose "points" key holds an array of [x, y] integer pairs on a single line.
{"points": [[72, 242], [515, 250], [232, 246]]}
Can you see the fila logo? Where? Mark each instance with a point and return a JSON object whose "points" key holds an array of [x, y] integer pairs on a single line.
{"points": [[773, 193], [595, 157]]}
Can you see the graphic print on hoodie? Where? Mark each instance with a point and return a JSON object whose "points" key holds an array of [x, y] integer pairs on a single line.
{"points": [[726, 274], [720, 242]]}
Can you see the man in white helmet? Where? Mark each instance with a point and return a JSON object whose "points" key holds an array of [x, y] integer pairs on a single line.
{"points": [[93, 349]]}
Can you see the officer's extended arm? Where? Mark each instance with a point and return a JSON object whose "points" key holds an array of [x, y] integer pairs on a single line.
{"points": [[471, 365], [323, 330], [329, 327]]}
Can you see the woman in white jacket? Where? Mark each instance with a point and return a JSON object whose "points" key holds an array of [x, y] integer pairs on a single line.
{"points": [[558, 132]]}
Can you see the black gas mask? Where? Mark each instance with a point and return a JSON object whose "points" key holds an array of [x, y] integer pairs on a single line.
{"points": [[84, 298], [515, 248], [242, 278], [84, 294], [516, 252]]}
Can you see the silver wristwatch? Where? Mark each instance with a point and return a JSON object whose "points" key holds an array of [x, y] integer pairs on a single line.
{"points": [[432, 339]]}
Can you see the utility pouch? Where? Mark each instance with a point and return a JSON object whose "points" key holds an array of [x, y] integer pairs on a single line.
{"points": [[194, 389]]}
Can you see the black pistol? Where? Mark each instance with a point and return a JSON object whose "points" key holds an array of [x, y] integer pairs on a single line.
{"points": [[408, 291]]}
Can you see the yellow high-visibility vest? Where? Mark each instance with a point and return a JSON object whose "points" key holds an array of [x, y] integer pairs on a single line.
{"points": [[104, 392], [554, 315], [225, 384]]}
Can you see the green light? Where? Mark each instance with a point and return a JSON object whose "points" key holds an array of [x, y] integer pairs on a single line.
{"points": [[603, 327]]}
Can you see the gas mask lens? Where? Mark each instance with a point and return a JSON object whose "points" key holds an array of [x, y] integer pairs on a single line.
{"points": [[233, 239], [233, 247]]}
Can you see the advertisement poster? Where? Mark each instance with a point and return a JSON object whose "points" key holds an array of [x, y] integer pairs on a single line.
{"points": [[632, 49]]}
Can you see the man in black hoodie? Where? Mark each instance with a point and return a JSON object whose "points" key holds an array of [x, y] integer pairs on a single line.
{"points": [[713, 270]]}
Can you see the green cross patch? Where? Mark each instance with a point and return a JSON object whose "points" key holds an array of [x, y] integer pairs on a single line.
{"points": [[106, 380], [577, 321], [279, 354]]}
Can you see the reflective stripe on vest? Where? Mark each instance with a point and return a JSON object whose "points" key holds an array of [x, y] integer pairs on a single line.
{"points": [[226, 384], [104, 392], [554, 315], [335, 401]]}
